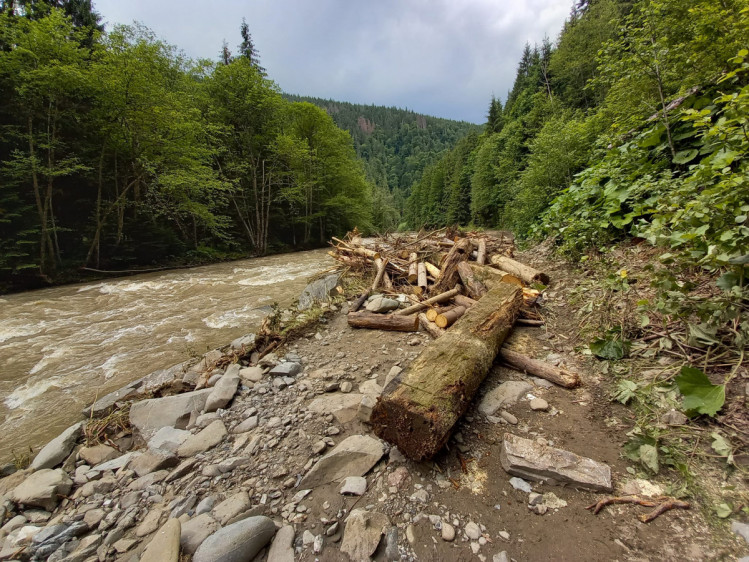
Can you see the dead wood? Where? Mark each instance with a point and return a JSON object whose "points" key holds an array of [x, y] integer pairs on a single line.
{"points": [[449, 317], [525, 272], [430, 327], [541, 369], [474, 288], [449, 275], [442, 297], [389, 322]]}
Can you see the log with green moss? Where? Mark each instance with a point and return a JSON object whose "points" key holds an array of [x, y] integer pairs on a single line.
{"points": [[419, 408]]}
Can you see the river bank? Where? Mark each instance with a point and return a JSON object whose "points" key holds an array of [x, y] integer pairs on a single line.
{"points": [[278, 439]]}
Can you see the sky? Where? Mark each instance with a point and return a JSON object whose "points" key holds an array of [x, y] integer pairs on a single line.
{"points": [[438, 57]]}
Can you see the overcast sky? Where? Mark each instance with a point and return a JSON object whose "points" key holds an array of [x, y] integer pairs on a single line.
{"points": [[439, 57]]}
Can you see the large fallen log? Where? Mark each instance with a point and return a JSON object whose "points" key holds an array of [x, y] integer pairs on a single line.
{"points": [[525, 272], [442, 297], [449, 275], [419, 407], [490, 276], [540, 368], [475, 288], [388, 322]]}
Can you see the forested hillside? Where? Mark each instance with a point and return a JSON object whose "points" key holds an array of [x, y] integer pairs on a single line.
{"points": [[395, 146], [116, 152]]}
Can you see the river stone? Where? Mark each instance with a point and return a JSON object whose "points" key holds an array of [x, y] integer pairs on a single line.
{"points": [[152, 461], [363, 532], [382, 304], [245, 341], [318, 291], [354, 456], [506, 394], [342, 406], [354, 486], [237, 542], [282, 547], [286, 368], [43, 488], [528, 459], [168, 439], [148, 416], [224, 390], [113, 465], [247, 425], [231, 507], [195, 531], [98, 454], [201, 442], [54, 452], [150, 522], [164, 546], [252, 374]]}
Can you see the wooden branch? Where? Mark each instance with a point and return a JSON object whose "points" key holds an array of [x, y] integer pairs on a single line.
{"points": [[527, 322], [525, 272], [449, 317], [422, 276], [389, 322], [435, 311], [432, 269], [442, 297], [381, 265], [661, 504], [449, 275], [413, 265], [430, 327], [387, 282], [361, 300], [475, 288], [419, 408], [481, 256], [540, 368]]}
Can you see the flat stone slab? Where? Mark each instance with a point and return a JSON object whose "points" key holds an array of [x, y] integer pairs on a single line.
{"points": [[342, 406], [318, 291], [164, 546], [364, 529], [286, 368], [237, 542], [527, 459], [354, 456], [506, 394], [43, 488], [148, 416], [224, 390], [57, 450], [201, 442]]}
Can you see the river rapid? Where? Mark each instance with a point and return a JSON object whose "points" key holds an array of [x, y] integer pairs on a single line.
{"points": [[60, 348]]}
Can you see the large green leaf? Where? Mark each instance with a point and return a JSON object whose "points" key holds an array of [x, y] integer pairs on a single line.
{"points": [[685, 156], [609, 349], [700, 395]]}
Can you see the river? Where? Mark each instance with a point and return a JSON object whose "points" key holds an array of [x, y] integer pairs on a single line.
{"points": [[60, 348]]}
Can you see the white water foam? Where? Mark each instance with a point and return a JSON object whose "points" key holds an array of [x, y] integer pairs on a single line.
{"points": [[29, 391], [273, 274], [231, 318]]}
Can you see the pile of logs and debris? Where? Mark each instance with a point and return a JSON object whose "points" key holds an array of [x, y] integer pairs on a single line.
{"points": [[467, 292]]}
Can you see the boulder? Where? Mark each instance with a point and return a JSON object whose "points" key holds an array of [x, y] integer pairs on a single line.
{"points": [[319, 291], [354, 456], [224, 390], [282, 547], [54, 452], [164, 546], [195, 531], [43, 489], [529, 459], [231, 507], [286, 369], [506, 394], [252, 374], [237, 542], [152, 461], [363, 532], [382, 305], [204, 440], [98, 454], [168, 439], [148, 416]]}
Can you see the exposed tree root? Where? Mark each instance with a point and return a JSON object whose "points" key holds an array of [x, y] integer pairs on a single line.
{"points": [[661, 504]]}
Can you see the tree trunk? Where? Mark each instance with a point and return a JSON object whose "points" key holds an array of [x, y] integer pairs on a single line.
{"points": [[422, 277], [449, 275], [462, 300], [525, 272], [481, 257], [419, 408], [430, 327], [413, 268], [475, 288], [390, 322], [449, 317], [490, 276], [446, 296]]}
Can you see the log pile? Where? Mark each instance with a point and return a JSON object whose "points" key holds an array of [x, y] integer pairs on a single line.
{"points": [[467, 292]]}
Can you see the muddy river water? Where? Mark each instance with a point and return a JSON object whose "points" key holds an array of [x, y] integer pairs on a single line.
{"points": [[62, 347]]}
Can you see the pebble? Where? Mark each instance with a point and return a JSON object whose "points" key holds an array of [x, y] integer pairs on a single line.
{"points": [[504, 535], [539, 405], [448, 532], [508, 417], [520, 484], [472, 530]]}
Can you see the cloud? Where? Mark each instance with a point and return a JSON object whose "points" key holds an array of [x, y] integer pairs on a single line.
{"points": [[439, 57]]}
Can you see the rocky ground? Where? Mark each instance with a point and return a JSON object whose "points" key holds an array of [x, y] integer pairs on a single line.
{"points": [[277, 462]]}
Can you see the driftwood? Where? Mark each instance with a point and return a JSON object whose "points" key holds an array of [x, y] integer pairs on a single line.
{"points": [[361, 300], [525, 272], [661, 504], [449, 275], [540, 368], [432, 269], [413, 264], [381, 265], [435, 311], [490, 276], [475, 288], [442, 297], [430, 327], [481, 254], [528, 322], [419, 407], [449, 317], [388, 322], [421, 271]]}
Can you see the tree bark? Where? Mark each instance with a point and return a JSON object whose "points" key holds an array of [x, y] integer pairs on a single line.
{"points": [[525, 272], [413, 268], [462, 300], [422, 277], [449, 275], [419, 408], [481, 257], [475, 288], [490, 276], [390, 322], [430, 327], [432, 313], [449, 317], [540, 368], [442, 297]]}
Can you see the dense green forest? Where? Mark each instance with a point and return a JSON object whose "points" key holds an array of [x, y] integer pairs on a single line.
{"points": [[633, 124], [117, 151], [395, 146]]}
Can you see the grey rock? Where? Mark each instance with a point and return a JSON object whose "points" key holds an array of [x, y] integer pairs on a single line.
{"points": [[15, 523], [448, 532], [113, 465], [506, 394], [318, 291], [354, 486], [164, 546], [168, 439], [472, 530], [674, 417], [148, 416], [252, 374], [382, 305], [102, 486], [43, 488], [286, 369], [528, 459], [342, 406], [363, 532], [153, 460], [150, 522], [520, 484], [182, 505], [206, 505], [366, 405], [206, 439], [539, 405], [54, 452], [225, 389], [98, 454], [140, 484], [245, 341], [282, 547], [247, 425], [184, 467], [237, 542], [741, 529], [231, 507], [195, 531], [501, 557], [508, 417], [354, 456], [392, 553]]}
